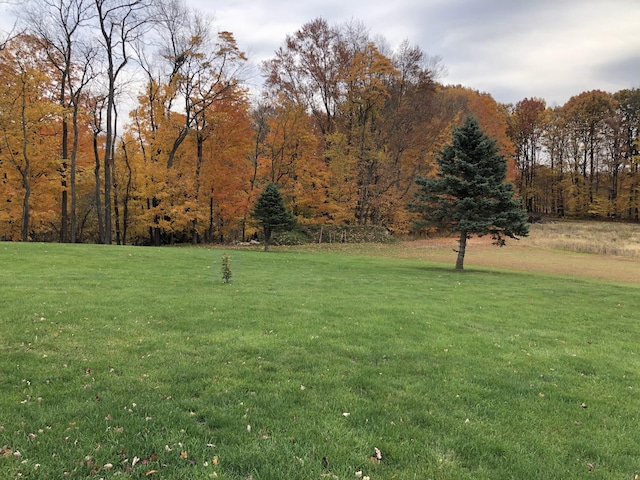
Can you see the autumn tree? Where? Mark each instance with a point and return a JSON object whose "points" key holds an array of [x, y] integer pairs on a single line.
{"points": [[368, 79], [469, 195], [625, 183], [586, 119], [270, 213], [310, 70], [374, 114], [555, 144], [27, 118], [288, 153], [526, 128], [58, 28], [190, 72], [223, 170]]}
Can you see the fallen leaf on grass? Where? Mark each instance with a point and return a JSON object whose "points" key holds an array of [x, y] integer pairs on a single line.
{"points": [[151, 458], [150, 472], [183, 454], [5, 452]]}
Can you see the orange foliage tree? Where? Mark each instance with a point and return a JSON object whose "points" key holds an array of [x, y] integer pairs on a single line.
{"points": [[371, 117], [28, 115]]}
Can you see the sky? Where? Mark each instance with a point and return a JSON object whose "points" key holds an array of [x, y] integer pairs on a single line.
{"points": [[512, 49]]}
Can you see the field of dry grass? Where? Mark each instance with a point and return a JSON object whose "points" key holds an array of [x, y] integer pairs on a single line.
{"points": [[607, 238], [603, 250], [600, 250]]}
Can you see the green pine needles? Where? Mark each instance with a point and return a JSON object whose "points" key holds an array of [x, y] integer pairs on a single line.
{"points": [[271, 214], [469, 195], [226, 268]]}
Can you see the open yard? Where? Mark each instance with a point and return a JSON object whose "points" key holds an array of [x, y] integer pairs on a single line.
{"points": [[597, 250], [330, 361]]}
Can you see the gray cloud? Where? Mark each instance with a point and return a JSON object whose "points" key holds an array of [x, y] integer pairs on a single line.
{"points": [[513, 49], [510, 48]]}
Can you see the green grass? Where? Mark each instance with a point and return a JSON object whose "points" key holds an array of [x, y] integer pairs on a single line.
{"points": [[112, 354]]}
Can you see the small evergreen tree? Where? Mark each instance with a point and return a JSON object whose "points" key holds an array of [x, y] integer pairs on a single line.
{"points": [[226, 268], [469, 195], [271, 214]]}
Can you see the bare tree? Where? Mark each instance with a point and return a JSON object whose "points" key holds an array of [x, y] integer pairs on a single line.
{"points": [[203, 68], [13, 32], [120, 23]]}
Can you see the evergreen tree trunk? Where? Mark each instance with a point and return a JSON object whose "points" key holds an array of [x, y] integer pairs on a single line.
{"points": [[462, 246], [267, 237]]}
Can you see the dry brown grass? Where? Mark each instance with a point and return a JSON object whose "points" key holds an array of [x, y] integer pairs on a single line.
{"points": [[607, 238], [600, 250]]}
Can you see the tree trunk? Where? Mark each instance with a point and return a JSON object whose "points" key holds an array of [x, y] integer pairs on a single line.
{"points": [[24, 227], [116, 209], [97, 194], [267, 237], [26, 171], [64, 213], [65, 152], [210, 231], [127, 197], [74, 155], [462, 246]]}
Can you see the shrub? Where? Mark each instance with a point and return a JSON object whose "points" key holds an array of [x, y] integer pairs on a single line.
{"points": [[348, 234], [226, 268], [292, 237]]}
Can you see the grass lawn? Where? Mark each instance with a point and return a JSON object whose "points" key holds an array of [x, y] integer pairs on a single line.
{"points": [[125, 362]]}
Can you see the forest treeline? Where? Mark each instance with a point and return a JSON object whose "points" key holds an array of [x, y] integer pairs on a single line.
{"points": [[132, 122]]}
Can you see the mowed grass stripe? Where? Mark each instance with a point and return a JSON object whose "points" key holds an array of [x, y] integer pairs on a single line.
{"points": [[112, 354]]}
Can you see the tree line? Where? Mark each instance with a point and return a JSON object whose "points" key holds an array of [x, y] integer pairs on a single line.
{"points": [[580, 159], [131, 122]]}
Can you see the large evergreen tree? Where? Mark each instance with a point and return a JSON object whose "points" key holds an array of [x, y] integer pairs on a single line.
{"points": [[271, 214], [469, 195]]}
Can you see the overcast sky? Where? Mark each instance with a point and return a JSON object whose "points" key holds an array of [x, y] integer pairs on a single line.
{"points": [[512, 49]]}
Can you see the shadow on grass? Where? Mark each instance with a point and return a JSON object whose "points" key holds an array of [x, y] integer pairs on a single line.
{"points": [[468, 271]]}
